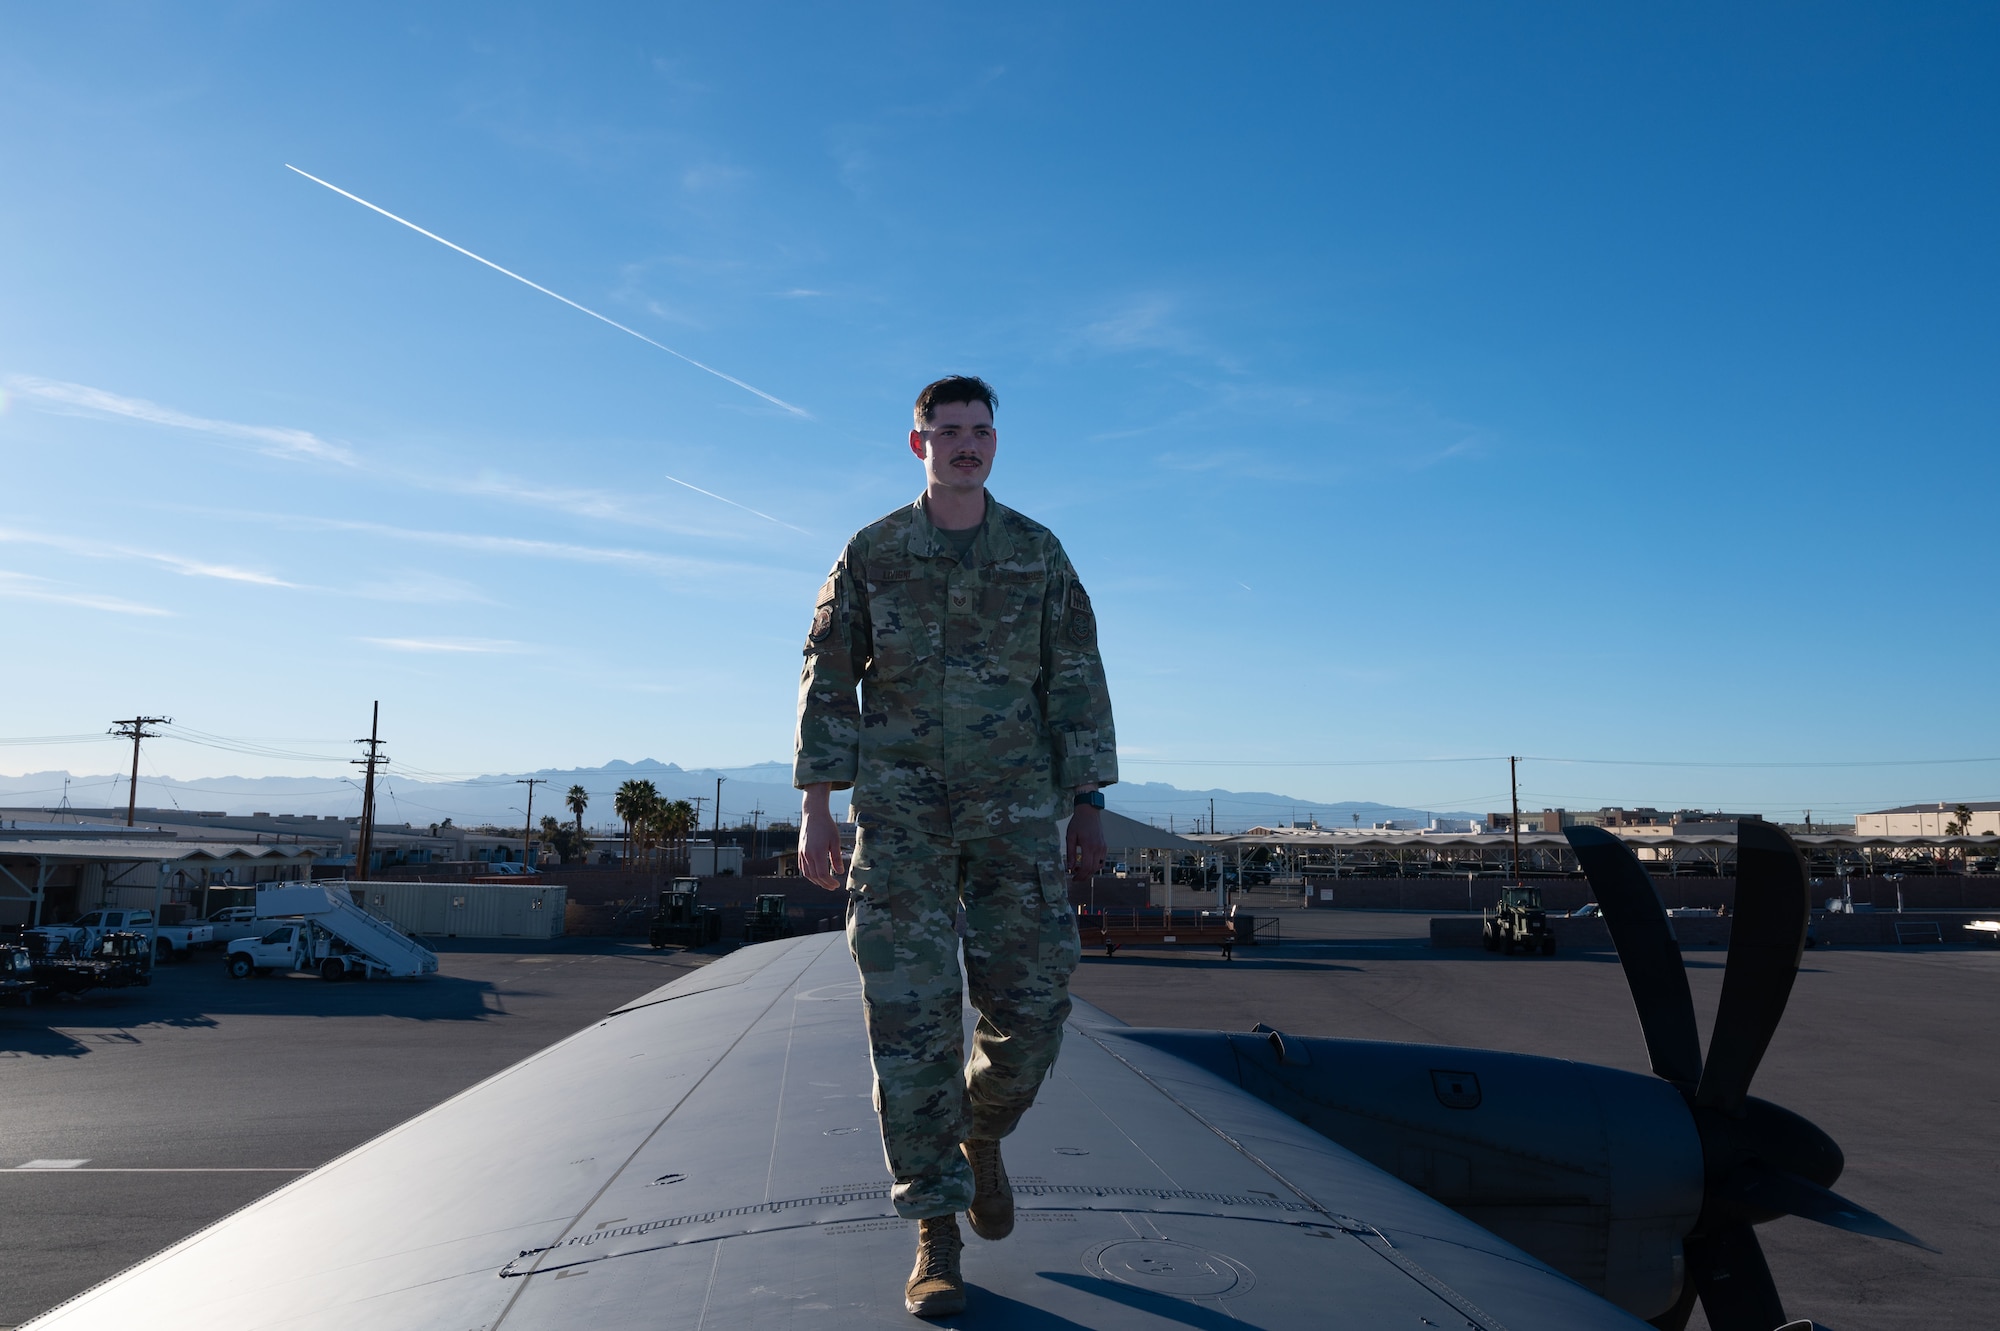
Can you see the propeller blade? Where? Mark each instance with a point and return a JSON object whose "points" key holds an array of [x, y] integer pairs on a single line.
{"points": [[1766, 940], [1729, 1270], [1646, 949], [1763, 1189]]}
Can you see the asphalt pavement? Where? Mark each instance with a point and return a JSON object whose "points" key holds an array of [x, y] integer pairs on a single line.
{"points": [[150, 1113], [155, 1112]]}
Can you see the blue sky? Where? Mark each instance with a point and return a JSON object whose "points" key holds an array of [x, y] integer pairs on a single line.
{"points": [[1424, 381]]}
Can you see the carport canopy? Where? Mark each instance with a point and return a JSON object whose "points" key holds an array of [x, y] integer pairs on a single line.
{"points": [[20, 882]]}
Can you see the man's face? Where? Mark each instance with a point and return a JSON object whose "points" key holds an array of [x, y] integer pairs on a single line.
{"points": [[957, 446]]}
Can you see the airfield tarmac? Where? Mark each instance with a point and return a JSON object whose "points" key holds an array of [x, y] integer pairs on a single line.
{"points": [[193, 1097]]}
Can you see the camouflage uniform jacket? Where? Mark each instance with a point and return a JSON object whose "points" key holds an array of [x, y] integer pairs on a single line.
{"points": [[982, 691]]}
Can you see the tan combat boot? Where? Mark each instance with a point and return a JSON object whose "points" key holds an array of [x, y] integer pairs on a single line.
{"points": [[992, 1209], [936, 1288]]}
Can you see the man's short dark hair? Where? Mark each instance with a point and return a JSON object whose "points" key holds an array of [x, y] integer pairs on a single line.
{"points": [[955, 388]]}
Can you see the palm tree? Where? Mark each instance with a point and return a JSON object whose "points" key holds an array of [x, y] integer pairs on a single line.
{"points": [[657, 820], [1960, 825], [630, 803], [678, 819], [578, 800]]}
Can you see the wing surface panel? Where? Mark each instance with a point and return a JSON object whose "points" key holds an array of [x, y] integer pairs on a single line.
{"points": [[709, 1157], [1487, 1281], [722, 973], [409, 1229]]}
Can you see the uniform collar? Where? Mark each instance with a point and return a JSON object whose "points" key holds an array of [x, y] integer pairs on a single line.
{"points": [[990, 546]]}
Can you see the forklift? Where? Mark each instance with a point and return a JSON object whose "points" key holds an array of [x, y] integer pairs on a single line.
{"points": [[1518, 922], [679, 921], [766, 920]]}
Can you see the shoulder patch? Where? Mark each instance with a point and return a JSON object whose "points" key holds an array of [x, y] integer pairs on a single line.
{"points": [[1082, 622], [822, 625]]}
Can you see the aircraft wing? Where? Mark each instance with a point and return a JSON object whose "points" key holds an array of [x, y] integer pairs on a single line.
{"points": [[708, 1157]]}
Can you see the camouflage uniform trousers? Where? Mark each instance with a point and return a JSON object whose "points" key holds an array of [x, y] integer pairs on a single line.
{"points": [[1020, 946]]}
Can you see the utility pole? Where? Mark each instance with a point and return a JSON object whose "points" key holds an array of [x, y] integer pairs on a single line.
{"points": [[694, 830], [756, 845], [1211, 817], [715, 859], [135, 730], [528, 814], [1514, 787], [364, 844]]}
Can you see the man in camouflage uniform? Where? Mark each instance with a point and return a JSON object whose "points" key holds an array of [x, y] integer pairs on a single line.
{"points": [[983, 719]]}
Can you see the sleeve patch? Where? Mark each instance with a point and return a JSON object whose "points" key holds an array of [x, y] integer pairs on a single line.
{"points": [[1082, 622], [822, 625]]}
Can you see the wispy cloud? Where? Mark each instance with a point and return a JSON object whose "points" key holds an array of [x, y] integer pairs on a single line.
{"points": [[636, 510], [578, 502], [473, 646], [422, 587], [1146, 324], [27, 587], [182, 564], [525, 547], [271, 440]]}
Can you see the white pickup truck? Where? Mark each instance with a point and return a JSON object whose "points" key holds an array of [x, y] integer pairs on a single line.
{"points": [[234, 922], [80, 936], [295, 945]]}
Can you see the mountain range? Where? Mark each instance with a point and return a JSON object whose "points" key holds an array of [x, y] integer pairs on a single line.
{"points": [[762, 788]]}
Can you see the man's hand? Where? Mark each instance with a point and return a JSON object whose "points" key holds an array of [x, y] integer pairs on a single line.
{"points": [[819, 841], [1084, 853]]}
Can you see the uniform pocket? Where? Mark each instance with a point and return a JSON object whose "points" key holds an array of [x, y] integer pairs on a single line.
{"points": [[901, 638], [1055, 888], [871, 924], [1059, 949]]}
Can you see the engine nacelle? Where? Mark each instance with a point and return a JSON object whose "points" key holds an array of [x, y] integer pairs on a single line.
{"points": [[1595, 1171]]}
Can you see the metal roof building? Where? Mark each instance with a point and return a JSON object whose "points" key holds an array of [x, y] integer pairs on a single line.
{"points": [[1550, 850], [68, 875]]}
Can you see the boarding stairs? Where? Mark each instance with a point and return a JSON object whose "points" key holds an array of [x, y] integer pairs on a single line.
{"points": [[329, 905]]}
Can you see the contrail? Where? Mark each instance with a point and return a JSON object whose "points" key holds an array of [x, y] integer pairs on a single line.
{"points": [[728, 378], [733, 504]]}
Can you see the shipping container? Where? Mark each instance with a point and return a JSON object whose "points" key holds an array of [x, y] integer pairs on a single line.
{"points": [[467, 910]]}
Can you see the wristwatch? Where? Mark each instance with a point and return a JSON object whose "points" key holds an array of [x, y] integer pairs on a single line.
{"points": [[1094, 798]]}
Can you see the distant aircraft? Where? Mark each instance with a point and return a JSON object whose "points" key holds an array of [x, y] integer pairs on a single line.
{"points": [[707, 1157]]}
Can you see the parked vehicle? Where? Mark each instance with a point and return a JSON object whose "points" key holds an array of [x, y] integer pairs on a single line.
{"points": [[175, 941], [767, 920], [317, 927], [234, 922], [1518, 922], [115, 960], [296, 946], [680, 922], [79, 937], [17, 974]]}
